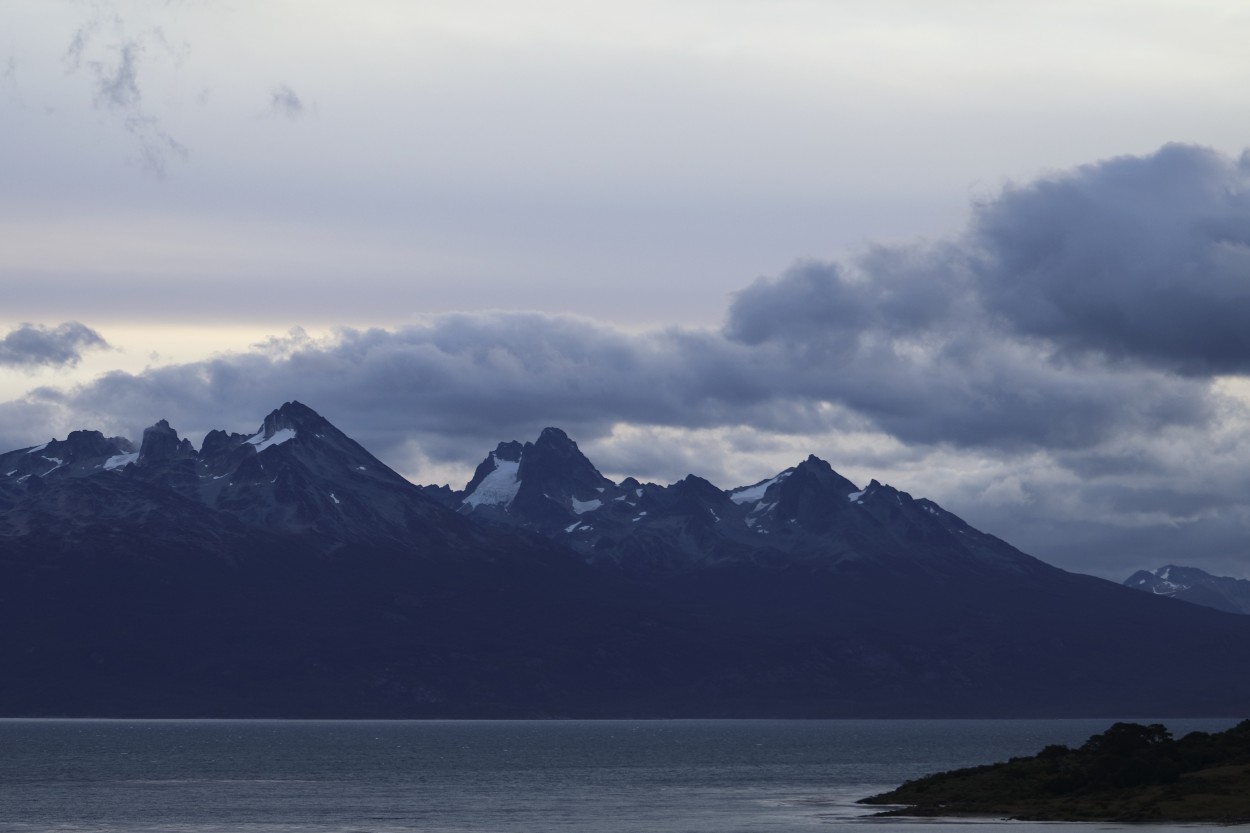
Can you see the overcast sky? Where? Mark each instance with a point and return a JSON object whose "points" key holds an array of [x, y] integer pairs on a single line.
{"points": [[993, 253]]}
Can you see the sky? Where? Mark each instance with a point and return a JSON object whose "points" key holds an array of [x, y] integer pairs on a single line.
{"points": [[996, 254]]}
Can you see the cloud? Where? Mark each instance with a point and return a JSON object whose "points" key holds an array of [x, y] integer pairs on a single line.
{"points": [[462, 382], [117, 87], [116, 65], [283, 101], [1138, 258], [980, 342], [898, 291], [27, 422], [36, 345], [900, 338]]}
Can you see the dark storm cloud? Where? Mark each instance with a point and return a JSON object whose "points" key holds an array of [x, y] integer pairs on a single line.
{"points": [[1143, 258], [1135, 258], [283, 101], [893, 291], [899, 338], [36, 345], [1061, 318]]}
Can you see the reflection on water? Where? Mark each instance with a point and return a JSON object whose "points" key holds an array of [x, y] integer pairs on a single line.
{"points": [[684, 776]]}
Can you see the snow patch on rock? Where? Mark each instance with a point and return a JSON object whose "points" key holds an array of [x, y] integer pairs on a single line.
{"points": [[279, 437], [118, 461], [499, 487], [583, 506], [748, 494]]}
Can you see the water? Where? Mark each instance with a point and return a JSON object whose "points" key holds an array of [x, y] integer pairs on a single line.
{"points": [[687, 776]]}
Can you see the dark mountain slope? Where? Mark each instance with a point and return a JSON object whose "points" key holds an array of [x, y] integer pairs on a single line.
{"points": [[289, 573]]}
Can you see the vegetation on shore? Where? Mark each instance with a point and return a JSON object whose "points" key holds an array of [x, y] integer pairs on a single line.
{"points": [[1129, 773]]}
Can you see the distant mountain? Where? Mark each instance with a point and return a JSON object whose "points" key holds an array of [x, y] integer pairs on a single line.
{"points": [[288, 572], [296, 475], [545, 485], [1193, 585], [808, 515]]}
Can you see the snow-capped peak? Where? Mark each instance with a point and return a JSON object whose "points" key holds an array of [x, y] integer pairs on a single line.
{"points": [[499, 487]]}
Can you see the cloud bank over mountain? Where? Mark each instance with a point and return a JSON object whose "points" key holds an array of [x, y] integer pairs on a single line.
{"points": [[1076, 356]]}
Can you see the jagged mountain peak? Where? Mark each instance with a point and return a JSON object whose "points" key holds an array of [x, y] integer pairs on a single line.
{"points": [[294, 435], [300, 432], [554, 455], [297, 410], [554, 436], [80, 453], [699, 487], [294, 415], [288, 422], [93, 444], [82, 446], [296, 474], [161, 443], [818, 472], [545, 484], [299, 473], [509, 451]]}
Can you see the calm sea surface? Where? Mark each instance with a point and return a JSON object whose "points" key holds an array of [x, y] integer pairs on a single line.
{"points": [[683, 776]]}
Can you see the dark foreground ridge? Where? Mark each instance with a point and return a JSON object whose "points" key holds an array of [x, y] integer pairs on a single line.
{"points": [[1129, 773]]}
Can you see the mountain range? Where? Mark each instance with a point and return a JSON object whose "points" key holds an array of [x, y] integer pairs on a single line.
{"points": [[1193, 585], [288, 572]]}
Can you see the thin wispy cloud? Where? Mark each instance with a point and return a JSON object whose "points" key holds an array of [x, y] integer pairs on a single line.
{"points": [[283, 101], [105, 47]]}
